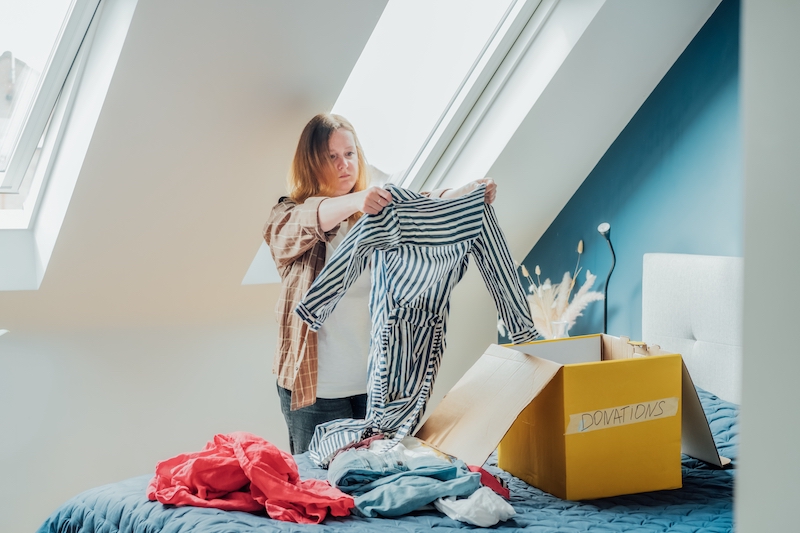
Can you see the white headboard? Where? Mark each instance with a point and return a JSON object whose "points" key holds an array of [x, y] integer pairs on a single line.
{"points": [[692, 305]]}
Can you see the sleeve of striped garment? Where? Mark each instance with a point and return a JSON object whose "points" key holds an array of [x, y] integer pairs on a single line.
{"points": [[494, 261], [343, 269]]}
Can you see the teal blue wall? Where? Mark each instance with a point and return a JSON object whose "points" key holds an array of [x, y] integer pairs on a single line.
{"points": [[671, 182]]}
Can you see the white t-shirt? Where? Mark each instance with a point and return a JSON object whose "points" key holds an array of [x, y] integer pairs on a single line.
{"points": [[344, 337]]}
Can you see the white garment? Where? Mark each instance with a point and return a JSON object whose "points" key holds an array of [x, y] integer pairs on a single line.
{"points": [[344, 338], [483, 508], [415, 447], [411, 447]]}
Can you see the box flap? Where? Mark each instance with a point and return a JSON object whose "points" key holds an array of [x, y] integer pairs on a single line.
{"points": [[473, 417], [567, 351], [622, 347], [696, 438]]}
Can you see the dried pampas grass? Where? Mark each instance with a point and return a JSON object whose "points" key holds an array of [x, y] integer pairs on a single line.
{"points": [[551, 303]]}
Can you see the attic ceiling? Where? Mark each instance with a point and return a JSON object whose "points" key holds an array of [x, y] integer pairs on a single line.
{"points": [[201, 119], [189, 154]]}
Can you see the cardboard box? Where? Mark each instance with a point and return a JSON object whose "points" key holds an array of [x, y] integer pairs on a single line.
{"points": [[583, 417]]}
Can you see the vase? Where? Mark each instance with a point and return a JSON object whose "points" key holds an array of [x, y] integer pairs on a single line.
{"points": [[559, 329]]}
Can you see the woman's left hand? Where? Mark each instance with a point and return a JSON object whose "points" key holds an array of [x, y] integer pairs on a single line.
{"points": [[489, 195], [491, 189]]}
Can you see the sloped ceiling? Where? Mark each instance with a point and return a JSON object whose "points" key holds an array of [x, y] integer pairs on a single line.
{"points": [[190, 152], [201, 119], [540, 140]]}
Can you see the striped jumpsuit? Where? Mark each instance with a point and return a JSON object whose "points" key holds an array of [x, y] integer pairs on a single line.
{"points": [[419, 249]]}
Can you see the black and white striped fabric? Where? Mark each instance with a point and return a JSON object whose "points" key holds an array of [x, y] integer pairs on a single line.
{"points": [[419, 248]]}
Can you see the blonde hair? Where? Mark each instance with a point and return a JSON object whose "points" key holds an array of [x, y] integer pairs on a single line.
{"points": [[312, 173]]}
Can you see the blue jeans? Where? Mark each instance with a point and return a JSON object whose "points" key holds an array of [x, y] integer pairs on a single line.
{"points": [[303, 421]]}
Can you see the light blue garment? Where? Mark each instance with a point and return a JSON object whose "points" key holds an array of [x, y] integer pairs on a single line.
{"points": [[392, 484], [352, 470]]}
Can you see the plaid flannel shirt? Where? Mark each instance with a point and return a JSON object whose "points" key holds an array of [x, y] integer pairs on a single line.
{"points": [[297, 244]]}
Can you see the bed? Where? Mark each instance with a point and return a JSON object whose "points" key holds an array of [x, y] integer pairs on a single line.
{"points": [[705, 503]]}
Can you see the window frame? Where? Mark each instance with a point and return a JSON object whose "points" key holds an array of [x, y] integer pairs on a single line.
{"points": [[485, 78], [61, 62]]}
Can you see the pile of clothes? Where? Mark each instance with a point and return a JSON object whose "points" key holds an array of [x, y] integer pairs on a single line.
{"points": [[243, 472], [412, 476], [419, 249]]}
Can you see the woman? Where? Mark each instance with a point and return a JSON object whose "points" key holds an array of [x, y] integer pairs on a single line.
{"points": [[323, 376]]}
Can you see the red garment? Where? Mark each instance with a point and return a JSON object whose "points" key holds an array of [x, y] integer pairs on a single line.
{"points": [[488, 480], [243, 472]]}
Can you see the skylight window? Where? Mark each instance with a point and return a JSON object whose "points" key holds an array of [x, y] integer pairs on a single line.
{"points": [[411, 71], [424, 67], [39, 44], [27, 37], [59, 124]]}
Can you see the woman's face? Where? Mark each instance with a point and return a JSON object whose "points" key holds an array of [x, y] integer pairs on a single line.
{"points": [[342, 151]]}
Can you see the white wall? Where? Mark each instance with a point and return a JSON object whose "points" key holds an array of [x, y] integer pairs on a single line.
{"points": [[81, 409], [769, 472], [141, 341]]}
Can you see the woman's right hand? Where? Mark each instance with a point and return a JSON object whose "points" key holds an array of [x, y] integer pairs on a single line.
{"points": [[372, 200], [333, 211]]}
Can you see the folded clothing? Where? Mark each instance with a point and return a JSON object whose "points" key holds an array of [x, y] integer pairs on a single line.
{"points": [[242, 472], [395, 483]]}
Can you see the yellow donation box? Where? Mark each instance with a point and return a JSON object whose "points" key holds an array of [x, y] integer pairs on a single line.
{"points": [[602, 426], [581, 418]]}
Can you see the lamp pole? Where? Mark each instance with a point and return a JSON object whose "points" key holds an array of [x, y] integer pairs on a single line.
{"points": [[605, 231]]}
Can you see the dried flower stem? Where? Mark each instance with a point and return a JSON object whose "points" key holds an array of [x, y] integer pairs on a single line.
{"points": [[526, 274], [577, 270], [551, 302]]}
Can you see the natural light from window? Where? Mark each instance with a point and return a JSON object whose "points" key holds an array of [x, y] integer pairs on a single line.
{"points": [[40, 61], [72, 47], [412, 66], [29, 30], [419, 56]]}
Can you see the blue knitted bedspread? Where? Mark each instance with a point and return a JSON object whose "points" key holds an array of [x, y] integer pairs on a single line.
{"points": [[705, 503]]}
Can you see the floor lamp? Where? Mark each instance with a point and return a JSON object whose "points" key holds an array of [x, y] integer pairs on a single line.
{"points": [[605, 231]]}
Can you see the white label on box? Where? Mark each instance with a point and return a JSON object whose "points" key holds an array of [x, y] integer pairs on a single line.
{"points": [[622, 415]]}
